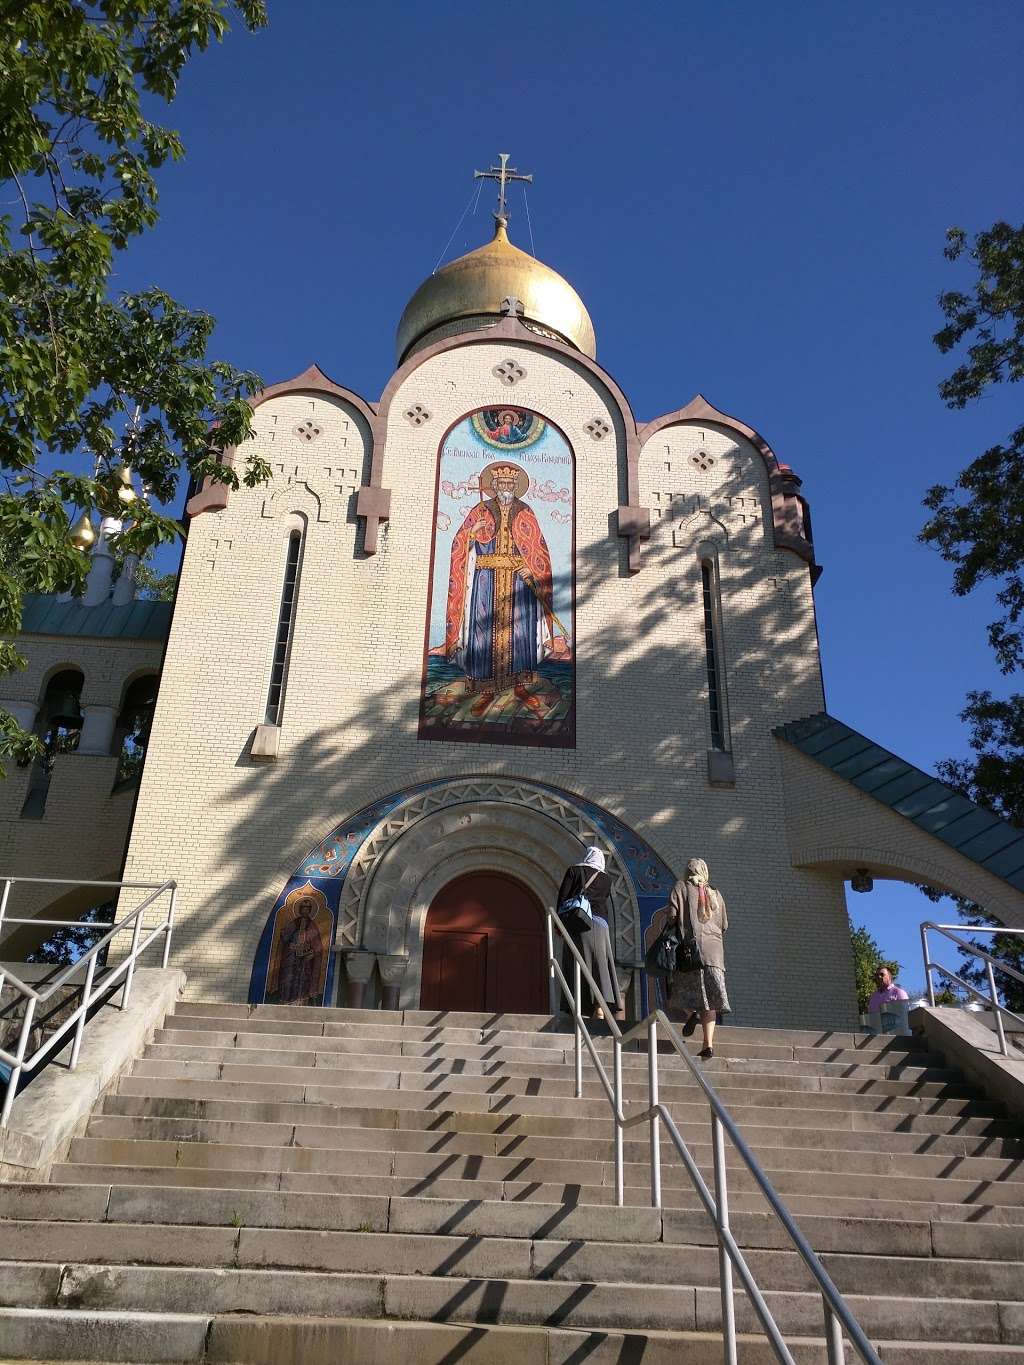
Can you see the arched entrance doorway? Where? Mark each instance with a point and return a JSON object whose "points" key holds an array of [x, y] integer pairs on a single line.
{"points": [[483, 947]]}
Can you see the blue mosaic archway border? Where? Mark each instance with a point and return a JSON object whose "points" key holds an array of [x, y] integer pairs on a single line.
{"points": [[328, 862]]}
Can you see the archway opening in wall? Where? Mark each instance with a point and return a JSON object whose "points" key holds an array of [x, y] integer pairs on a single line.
{"points": [[483, 947]]}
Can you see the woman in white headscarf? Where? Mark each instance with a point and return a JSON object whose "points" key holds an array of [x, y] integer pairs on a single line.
{"points": [[699, 911], [595, 943]]}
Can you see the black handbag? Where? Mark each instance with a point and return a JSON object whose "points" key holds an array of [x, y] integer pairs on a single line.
{"points": [[661, 957], [688, 958]]}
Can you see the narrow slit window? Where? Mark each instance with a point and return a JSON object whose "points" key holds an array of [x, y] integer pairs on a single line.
{"points": [[285, 623], [712, 650]]}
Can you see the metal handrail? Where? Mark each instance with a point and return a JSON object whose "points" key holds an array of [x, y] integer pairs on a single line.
{"points": [[838, 1318], [992, 965], [46, 979], [92, 989]]}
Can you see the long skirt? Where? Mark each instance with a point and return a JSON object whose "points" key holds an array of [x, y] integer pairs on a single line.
{"points": [[700, 990], [595, 946]]}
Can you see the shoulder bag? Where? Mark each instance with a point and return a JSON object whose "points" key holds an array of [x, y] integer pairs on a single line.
{"points": [[688, 958], [575, 912], [661, 956]]}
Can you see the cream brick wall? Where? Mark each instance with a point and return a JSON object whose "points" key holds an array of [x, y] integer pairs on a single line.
{"points": [[231, 830], [107, 666]]}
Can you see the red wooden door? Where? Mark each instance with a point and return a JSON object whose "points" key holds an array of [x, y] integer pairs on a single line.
{"points": [[454, 970], [483, 948]]}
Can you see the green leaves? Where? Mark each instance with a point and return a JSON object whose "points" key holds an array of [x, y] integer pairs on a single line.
{"points": [[977, 524], [77, 161], [995, 779], [16, 743], [993, 313]]}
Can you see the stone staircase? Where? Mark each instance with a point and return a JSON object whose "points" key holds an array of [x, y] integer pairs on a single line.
{"points": [[279, 1185]]}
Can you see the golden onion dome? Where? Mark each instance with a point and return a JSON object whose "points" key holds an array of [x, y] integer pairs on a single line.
{"points": [[83, 534], [475, 285]]}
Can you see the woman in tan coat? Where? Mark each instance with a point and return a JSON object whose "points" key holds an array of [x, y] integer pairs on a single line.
{"points": [[699, 911]]}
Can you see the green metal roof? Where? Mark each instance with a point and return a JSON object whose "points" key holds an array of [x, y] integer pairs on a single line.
{"points": [[986, 839], [45, 615]]}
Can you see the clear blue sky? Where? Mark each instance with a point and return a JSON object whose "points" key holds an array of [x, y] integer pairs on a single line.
{"points": [[752, 200]]}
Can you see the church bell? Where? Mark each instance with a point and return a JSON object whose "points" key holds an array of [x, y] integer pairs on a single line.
{"points": [[63, 709]]}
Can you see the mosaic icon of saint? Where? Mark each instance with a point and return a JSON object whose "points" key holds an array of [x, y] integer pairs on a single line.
{"points": [[499, 621], [298, 965]]}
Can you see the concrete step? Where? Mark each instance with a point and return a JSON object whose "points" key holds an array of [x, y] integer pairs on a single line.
{"points": [[549, 1067], [208, 1033], [531, 1024], [510, 1258], [147, 1100], [884, 1203], [368, 1213], [512, 1047], [43, 1335], [588, 1305], [549, 1181], [328, 1183], [674, 1089], [571, 1163], [759, 1136], [730, 1042], [341, 1090], [553, 1077], [287, 1343], [262, 1340], [888, 1231]]}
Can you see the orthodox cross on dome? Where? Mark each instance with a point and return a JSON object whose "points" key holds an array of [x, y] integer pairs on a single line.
{"points": [[504, 175]]}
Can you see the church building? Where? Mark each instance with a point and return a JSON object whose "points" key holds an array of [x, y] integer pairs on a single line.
{"points": [[473, 626]]}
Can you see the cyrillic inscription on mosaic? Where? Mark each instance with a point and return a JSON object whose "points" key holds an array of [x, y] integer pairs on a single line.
{"points": [[499, 666]]}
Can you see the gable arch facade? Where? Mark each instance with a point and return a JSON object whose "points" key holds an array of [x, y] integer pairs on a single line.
{"points": [[534, 827], [834, 827], [381, 869], [481, 825], [889, 862], [444, 387]]}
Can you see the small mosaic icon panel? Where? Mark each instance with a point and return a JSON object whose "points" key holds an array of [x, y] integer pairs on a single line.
{"points": [[299, 949], [500, 649]]}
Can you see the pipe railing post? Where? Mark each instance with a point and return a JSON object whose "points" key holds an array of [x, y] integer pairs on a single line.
{"points": [[655, 1100], [3, 900], [577, 999], [724, 1259], [132, 954], [996, 1014], [90, 972], [927, 966], [620, 1192], [170, 927], [552, 983], [15, 1076], [833, 1335]]}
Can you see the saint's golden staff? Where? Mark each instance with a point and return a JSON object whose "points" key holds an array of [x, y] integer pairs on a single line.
{"points": [[532, 584]]}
